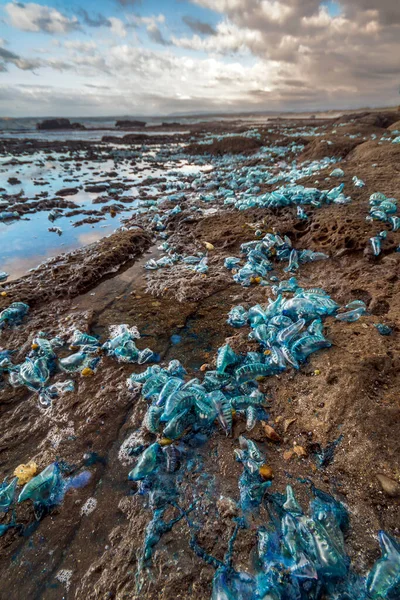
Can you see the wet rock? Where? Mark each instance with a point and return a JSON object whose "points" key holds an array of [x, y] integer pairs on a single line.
{"points": [[67, 191], [97, 188], [69, 275], [389, 486], [231, 145], [49, 124], [227, 507], [128, 123]]}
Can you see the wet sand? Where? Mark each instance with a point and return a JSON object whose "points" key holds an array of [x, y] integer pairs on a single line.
{"points": [[350, 390]]}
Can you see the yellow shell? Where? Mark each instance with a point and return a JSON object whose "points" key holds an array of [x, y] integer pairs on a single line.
{"points": [[209, 246], [87, 372], [317, 372], [35, 346], [165, 441], [24, 473], [4, 294], [266, 472]]}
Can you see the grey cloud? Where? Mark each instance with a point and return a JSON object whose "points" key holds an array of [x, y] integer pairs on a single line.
{"points": [[129, 2], [98, 87], [98, 20], [20, 62], [7, 55], [156, 36], [198, 26], [349, 58]]}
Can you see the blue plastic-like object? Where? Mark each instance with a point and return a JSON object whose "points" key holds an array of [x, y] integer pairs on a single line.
{"points": [[384, 329], [42, 362], [7, 493], [252, 487], [46, 489], [14, 314], [384, 578], [121, 344]]}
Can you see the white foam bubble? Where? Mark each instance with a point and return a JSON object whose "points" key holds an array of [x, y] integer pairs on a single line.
{"points": [[64, 576], [89, 506]]}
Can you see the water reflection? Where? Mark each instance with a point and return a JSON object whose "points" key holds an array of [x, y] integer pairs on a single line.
{"points": [[25, 243]]}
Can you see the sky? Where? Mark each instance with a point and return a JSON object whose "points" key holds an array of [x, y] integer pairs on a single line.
{"points": [[161, 57]]}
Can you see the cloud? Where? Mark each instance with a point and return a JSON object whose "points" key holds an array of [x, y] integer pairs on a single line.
{"points": [[198, 26], [228, 38], [129, 2], [262, 54], [35, 17], [155, 35], [117, 27], [97, 87], [87, 47], [96, 20], [21, 63], [151, 23]]}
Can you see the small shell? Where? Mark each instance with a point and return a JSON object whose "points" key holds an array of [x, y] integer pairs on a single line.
{"points": [[165, 441], [209, 246], [270, 432], [288, 454], [87, 372], [300, 451], [266, 472], [25, 473], [287, 423]]}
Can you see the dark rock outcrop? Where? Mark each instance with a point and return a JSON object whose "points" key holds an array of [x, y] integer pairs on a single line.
{"points": [[127, 123], [49, 124]]}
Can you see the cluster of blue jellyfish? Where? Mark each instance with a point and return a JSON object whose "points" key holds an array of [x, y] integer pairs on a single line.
{"points": [[259, 255], [382, 209], [292, 195], [196, 263], [43, 362], [290, 329], [302, 556], [299, 556]]}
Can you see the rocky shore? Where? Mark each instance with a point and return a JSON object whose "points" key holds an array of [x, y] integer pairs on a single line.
{"points": [[343, 398]]}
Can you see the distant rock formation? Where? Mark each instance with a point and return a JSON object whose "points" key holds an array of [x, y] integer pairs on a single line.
{"points": [[58, 124], [128, 123]]}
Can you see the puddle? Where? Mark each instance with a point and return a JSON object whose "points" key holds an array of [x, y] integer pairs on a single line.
{"points": [[26, 243]]}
